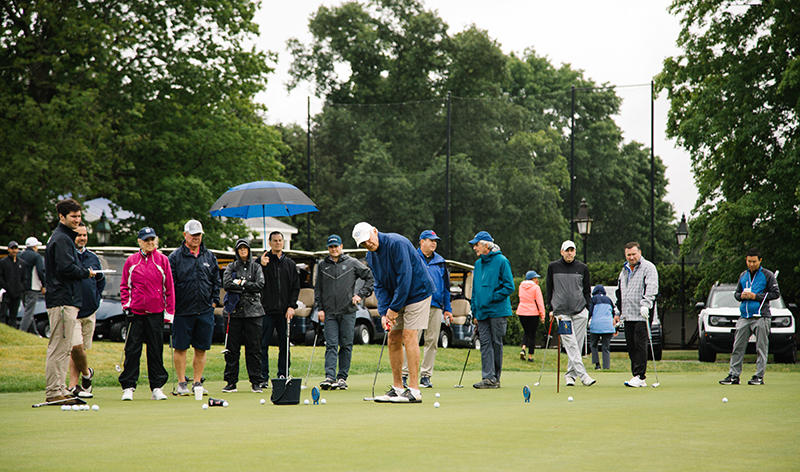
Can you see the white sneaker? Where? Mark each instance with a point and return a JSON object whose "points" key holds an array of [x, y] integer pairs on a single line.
{"points": [[127, 395], [569, 381], [636, 382], [588, 381], [158, 395]]}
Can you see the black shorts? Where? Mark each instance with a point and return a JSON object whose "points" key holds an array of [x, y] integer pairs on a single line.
{"points": [[194, 330]]}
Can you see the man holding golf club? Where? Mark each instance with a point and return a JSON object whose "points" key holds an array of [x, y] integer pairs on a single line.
{"points": [[336, 300], [63, 296], [569, 292], [491, 306], [195, 273], [636, 297], [243, 280], [404, 290]]}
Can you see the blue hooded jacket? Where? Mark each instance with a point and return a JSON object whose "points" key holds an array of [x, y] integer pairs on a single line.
{"points": [[401, 274], [601, 312], [492, 285], [437, 269]]}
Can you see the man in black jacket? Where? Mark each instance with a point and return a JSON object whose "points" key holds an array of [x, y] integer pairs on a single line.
{"points": [[34, 283], [12, 283], [63, 297], [281, 288], [336, 300], [195, 273]]}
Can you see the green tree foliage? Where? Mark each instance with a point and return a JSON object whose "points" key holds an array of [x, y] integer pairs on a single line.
{"points": [[146, 102], [735, 97], [510, 122]]}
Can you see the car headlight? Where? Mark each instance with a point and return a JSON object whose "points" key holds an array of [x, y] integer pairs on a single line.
{"points": [[714, 320], [782, 321]]}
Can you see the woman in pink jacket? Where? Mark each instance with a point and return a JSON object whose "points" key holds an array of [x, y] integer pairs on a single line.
{"points": [[530, 311], [148, 300]]}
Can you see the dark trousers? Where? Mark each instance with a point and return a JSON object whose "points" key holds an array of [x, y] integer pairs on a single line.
{"points": [[636, 340], [269, 324], [145, 329], [247, 332], [9, 309], [529, 326], [605, 341]]}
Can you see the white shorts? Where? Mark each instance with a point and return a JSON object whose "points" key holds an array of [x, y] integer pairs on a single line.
{"points": [[414, 316], [84, 331]]}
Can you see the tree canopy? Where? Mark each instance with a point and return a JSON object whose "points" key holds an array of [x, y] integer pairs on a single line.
{"points": [[385, 68], [735, 98], [146, 102]]}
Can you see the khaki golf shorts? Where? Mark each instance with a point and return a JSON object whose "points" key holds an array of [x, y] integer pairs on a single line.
{"points": [[84, 330], [414, 316]]}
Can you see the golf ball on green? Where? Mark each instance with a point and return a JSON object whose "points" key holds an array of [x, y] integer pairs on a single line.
{"points": [[437, 395], [95, 407], [65, 408], [205, 406], [224, 404], [263, 401], [76, 408], [323, 401], [724, 400], [436, 404], [306, 401], [569, 399]]}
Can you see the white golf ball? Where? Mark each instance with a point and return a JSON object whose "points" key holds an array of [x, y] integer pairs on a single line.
{"points": [[205, 406], [95, 407], [224, 404], [306, 401], [569, 399], [323, 401], [65, 408], [437, 395], [85, 407], [436, 404], [76, 408], [263, 401], [724, 400]]}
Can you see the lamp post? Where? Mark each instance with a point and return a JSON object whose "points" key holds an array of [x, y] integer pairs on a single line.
{"points": [[681, 233], [103, 230], [584, 224]]}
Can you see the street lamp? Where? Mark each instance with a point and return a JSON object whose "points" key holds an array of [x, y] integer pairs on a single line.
{"points": [[584, 224], [103, 230], [681, 233]]}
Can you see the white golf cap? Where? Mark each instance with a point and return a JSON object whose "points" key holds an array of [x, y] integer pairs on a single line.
{"points": [[32, 241], [193, 227], [361, 232], [567, 244]]}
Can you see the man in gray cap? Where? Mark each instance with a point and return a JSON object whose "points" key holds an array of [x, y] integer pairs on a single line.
{"points": [[336, 299], [195, 273], [34, 283], [12, 284]]}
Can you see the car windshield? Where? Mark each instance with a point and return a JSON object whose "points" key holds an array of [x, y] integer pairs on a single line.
{"points": [[725, 299]]}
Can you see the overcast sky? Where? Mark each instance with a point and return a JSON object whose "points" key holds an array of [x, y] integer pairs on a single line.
{"points": [[621, 43]]}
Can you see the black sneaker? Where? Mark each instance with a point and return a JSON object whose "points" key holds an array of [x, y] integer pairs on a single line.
{"points": [[406, 397], [756, 380], [78, 391], [86, 383], [425, 382], [256, 388], [265, 385], [230, 388], [405, 381], [486, 383], [387, 398], [327, 383], [730, 380]]}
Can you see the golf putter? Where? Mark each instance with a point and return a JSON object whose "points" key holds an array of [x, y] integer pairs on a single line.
{"points": [[546, 345], [305, 384], [372, 398], [227, 328], [124, 345], [76, 400], [650, 338], [462, 370]]}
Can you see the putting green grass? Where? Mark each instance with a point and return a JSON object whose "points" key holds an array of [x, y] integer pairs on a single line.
{"points": [[681, 425]]}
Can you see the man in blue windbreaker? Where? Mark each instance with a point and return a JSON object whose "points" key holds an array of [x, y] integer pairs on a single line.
{"points": [[756, 287], [403, 289]]}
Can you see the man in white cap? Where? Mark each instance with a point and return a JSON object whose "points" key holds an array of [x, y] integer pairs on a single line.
{"points": [[569, 292], [34, 283], [404, 290], [195, 273]]}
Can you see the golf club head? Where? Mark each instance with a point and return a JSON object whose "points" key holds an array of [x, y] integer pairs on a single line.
{"points": [[369, 399], [303, 387], [118, 368], [458, 386], [655, 385], [536, 384], [224, 351]]}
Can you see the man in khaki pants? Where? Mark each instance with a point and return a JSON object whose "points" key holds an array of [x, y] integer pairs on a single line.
{"points": [[63, 297]]}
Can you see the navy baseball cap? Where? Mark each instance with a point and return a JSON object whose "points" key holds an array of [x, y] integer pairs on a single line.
{"points": [[146, 232], [429, 234], [531, 274], [334, 240], [12, 245], [481, 236]]}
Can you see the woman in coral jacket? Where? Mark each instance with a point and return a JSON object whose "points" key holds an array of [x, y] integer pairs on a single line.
{"points": [[148, 300], [530, 311]]}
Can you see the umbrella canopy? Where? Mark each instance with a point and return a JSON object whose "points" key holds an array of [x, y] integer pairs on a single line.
{"points": [[262, 198]]}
